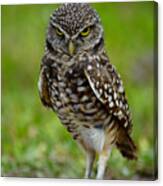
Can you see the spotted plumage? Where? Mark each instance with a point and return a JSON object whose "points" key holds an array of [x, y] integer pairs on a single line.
{"points": [[80, 84]]}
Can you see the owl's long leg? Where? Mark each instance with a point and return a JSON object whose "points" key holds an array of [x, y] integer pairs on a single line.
{"points": [[103, 157], [89, 163]]}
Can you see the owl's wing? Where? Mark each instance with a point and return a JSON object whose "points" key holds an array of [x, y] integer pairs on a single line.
{"points": [[108, 88], [43, 87]]}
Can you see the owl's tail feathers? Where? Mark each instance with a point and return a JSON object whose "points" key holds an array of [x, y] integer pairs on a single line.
{"points": [[126, 145]]}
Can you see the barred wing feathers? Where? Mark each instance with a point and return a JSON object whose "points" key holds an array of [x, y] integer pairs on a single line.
{"points": [[108, 88]]}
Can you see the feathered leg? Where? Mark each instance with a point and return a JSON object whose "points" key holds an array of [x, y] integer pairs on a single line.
{"points": [[103, 157], [89, 163]]}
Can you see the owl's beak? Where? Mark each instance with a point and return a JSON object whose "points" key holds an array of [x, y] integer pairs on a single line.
{"points": [[71, 47]]}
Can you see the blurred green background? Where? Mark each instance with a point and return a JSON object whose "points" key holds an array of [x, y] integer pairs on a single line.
{"points": [[34, 143]]}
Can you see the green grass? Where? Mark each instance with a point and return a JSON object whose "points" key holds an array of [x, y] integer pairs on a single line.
{"points": [[34, 143]]}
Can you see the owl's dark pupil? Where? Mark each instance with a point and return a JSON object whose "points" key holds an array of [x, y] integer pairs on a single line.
{"points": [[85, 30], [59, 32]]}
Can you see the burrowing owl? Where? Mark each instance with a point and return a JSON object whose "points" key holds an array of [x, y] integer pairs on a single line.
{"points": [[80, 84]]}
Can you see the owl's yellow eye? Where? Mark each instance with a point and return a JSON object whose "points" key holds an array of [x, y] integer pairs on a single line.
{"points": [[59, 32], [85, 32]]}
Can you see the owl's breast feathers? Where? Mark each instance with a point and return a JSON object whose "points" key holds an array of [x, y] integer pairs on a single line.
{"points": [[103, 79], [90, 87]]}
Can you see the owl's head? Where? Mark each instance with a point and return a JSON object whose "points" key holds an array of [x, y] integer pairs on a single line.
{"points": [[74, 28]]}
